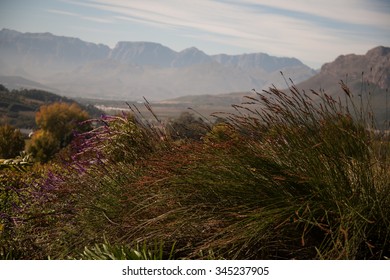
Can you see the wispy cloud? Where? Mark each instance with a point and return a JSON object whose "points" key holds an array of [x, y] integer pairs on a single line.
{"points": [[359, 12], [298, 28], [90, 18]]}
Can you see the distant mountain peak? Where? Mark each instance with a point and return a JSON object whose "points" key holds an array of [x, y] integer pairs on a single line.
{"points": [[192, 49], [6, 30], [190, 56], [375, 66], [143, 53], [379, 51], [139, 44]]}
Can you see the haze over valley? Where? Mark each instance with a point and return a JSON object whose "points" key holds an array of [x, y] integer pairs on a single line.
{"points": [[132, 70]]}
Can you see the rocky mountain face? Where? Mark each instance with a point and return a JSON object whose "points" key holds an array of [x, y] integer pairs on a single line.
{"points": [[356, 71], [375, 66], [134, 69], [367, 76]]}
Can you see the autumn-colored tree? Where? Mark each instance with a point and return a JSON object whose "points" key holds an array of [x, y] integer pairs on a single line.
{"points": [[60, 119], [43, 146], [11, 141], [57, 123], [221, 132]]}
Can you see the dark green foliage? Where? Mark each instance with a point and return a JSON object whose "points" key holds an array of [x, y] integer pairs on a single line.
{"points": [[11, 141], [187, 126], [3, 88]]}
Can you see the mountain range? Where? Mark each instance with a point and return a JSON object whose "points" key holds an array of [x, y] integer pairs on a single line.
{"points": [[131, 70], [367, 77]]}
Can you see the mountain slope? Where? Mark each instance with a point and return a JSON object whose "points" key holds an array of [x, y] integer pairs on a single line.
{"points": [[17, 82]]}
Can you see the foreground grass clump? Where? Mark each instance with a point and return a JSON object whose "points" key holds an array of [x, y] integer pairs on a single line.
{"points": [[291, 175], [323, 179], [106, 251]]}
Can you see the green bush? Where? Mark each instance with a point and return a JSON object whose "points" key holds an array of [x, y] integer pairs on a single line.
{"points": [[11, 141]]}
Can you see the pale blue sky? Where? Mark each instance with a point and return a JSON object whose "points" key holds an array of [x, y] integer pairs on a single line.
{"points": [[314, 31]]}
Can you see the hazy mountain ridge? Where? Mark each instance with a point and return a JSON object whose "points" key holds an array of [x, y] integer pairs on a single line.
{"points": [[257, 60], [134, 69], [47, 51]]}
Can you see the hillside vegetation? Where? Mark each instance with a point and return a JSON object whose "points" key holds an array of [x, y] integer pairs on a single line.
{"points": [[282, 178], [18, 107]]}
